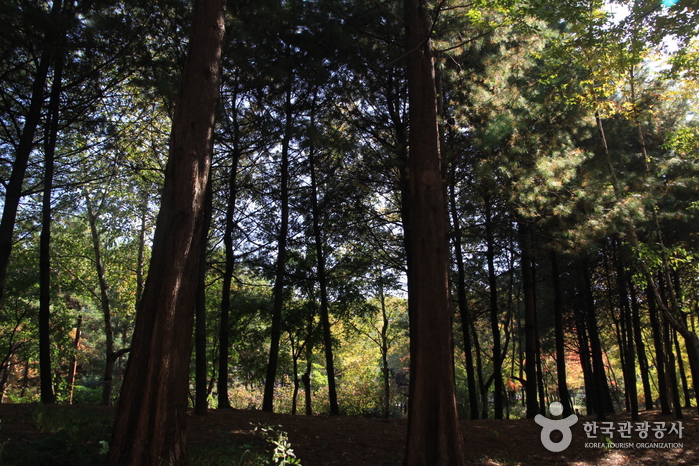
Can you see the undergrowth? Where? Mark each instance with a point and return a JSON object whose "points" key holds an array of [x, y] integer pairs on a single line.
{"points": [[72, 436]]}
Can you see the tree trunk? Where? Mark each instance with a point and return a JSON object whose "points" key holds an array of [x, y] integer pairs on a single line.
{"points": [[322, 279], [50, 139], [560, 337], [150, 422], [659, 353], [671, 373], [463, 303], [104, 304], [306, 377], [434, 437], [276, 330], [603, 397], [494, 314], [201, 403], [629, 365], [74, 361], [384, 352], [224, 328], [640, 345], [585, 360], [529, 321], [13, 191]]}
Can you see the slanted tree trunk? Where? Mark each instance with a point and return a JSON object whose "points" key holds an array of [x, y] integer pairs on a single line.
{"points": [[13, 191], [434, 437], [110, 355], [74, 361], [150, 422], [276, 330]]}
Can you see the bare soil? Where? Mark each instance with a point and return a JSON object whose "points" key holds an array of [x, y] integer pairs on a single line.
{"points": [[349, 440]]}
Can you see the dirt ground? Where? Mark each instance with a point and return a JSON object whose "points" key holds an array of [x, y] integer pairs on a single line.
{"points": [[345, 440]]}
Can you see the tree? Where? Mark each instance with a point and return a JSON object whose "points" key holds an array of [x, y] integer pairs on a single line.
{"points": [[150, 424], [434, 436]]}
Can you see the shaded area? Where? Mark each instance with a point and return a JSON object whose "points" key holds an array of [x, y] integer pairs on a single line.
{"points": [[69, 432]]}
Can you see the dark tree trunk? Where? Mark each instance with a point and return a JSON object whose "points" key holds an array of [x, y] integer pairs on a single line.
{"points": [[13, 191], [629, 364], [683, 375], [150, 422], [383, 338], [201, 403], [659, 354], [51, 139], [322, 279], [640, 345], [434, 437], [104, 304], [585, 363], [306, 377], [530, 341], [494, 314], [276, 330], [560, 337], [463, 303], [671, 372], [603, 396], [224, 328]]}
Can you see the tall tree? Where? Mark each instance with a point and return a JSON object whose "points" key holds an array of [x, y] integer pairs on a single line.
{"points": [[54, 34], [434, 436], [280, 269], [150, 423]]}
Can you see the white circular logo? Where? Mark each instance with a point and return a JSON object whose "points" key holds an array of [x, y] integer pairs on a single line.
{"points": [[556, 408]]}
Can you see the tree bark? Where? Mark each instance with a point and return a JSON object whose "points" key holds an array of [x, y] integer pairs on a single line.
{"points": [[51, 139], [463, 303], [322, 278], [276, 330], [434, 437], [529, 321], [494, 314], [603, 397], [629, 364], [74, 361], [659, 353], [201, 403], [640, 345], [560, 337], [13, 192], [150, 422], [224, 328]]}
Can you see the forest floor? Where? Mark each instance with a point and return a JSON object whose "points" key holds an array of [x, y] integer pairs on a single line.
{"points": [[349, 440]]}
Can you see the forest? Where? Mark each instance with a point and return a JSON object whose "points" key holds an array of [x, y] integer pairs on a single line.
{"points": [[349, 207]]}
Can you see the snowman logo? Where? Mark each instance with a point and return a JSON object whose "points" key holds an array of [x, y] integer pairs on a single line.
{"points": [[551, 425]]}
